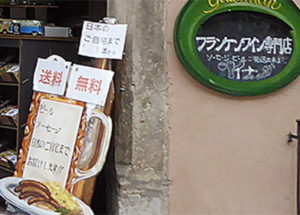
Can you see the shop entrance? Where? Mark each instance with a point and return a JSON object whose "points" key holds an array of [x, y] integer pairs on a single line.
{"points": [[53, 13]]}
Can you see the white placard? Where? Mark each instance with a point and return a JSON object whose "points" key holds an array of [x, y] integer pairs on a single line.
{"points": [[89, 84], [102, 40], [51, 75], [53, 141]]}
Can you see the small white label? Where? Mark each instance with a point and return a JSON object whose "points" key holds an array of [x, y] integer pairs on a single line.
{"points": [[89, 84], [53, 141], [102, 40], [51, 75]]}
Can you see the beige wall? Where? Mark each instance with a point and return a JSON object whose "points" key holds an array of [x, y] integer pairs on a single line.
{"points": [[297, 2], [229, 155]]}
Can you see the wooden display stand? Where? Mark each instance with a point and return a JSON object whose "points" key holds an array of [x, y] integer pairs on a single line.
{"points": [[83, 189]]}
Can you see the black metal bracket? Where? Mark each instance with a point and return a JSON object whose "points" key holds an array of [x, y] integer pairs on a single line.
{"points": [[290, 139]]}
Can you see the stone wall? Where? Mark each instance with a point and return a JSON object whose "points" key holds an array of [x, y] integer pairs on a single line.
{"points": [[232, 156], [141, 105]]}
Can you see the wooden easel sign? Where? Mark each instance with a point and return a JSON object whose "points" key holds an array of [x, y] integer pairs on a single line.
{"points": [[57, 130]]}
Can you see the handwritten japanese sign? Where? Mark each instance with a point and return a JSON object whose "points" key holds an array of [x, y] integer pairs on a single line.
{"points": [[102, 40], [244, 46], [51, 75], [89, 84], [53, 141]]}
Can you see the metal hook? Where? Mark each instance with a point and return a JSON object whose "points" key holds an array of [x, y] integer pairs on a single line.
{"points": [[290, 137]]}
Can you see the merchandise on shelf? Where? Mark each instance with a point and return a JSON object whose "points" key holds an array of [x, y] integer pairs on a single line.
{"points": [[55, 31], [42, 2], [14, 2], [8, 159], [16, 26], [4, 2], [3, 103], [9, 73], [28, 2], [3, 146], [9, 116], [6, 60]]}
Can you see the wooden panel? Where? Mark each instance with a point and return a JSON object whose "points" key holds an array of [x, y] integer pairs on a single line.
{"points": [[84, 189]]}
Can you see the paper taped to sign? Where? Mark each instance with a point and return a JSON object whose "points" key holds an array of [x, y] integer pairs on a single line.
{"points": [[102, 40], [53, 141], [51, 75], [89, 84]]}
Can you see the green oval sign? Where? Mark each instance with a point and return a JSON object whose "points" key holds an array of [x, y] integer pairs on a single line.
{"points": [[240, 47]]}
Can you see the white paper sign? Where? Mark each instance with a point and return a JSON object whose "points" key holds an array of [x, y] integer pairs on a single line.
{"points": [[89, 84], [53, 141], [51, 75], [102, 40]]}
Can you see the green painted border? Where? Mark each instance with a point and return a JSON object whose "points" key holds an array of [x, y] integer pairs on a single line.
{"points": [[188, 22]]}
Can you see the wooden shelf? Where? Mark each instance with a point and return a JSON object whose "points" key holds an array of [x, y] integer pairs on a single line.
{"points": [[29, 48], [8, 127], [9, 84], [6, 168], [30, 37], [29, 6]]}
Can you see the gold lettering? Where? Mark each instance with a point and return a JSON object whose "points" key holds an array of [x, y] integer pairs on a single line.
{"points": [[275, 8], [266, 3], [214, 5], [272, 4], [254, 1]]}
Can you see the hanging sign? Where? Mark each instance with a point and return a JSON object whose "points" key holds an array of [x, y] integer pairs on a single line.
{"points": [[240, 47], [51, 75], [102, 40], [53, 141], [262, 53], [89, 84]]}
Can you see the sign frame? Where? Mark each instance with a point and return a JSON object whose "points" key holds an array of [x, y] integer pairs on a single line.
{"points": [[196, 12]]}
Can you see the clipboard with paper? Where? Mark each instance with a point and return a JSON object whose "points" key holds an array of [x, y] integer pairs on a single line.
{"points": [[68, 130]]}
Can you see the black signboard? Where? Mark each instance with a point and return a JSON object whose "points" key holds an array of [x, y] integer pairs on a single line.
{"points": [[244, 46], [240, 47]]}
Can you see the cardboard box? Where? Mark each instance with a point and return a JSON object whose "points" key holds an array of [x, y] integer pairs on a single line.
{"points": [[56, 31]]}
